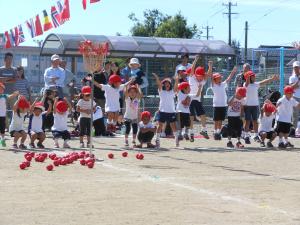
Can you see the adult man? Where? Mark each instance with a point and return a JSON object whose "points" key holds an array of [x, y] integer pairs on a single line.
{"points": [[240, 80], [8, 74], [184, 63], [294, 82], [54, 76], [69, 84]]}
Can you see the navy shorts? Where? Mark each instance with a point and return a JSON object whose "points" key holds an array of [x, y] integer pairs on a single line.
{"points": [[283, 127], [184, 119], [167, 117], [220, 113], [269, 134], [196, 108], [251, 112]]}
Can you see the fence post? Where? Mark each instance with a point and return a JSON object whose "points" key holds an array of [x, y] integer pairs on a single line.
{"points": [[281, 87]]}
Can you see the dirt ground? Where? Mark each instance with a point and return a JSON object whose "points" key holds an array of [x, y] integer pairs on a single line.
{"points": [[194, 184]]}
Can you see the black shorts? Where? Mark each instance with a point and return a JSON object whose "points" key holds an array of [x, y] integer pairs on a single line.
{"points": [[235, 126], [283, 127], [269, 134], [65, 135], [196, 108], [12, 133], [167, 117], [2, 125], [219, 113], [184, 119], [85, 126], [251, 113]]}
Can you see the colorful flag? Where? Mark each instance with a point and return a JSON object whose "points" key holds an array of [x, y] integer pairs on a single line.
{"points": [[55, 16], [21, 34], [94, 1], [47, 23], [31, 28], [65, 14], [13, 36], [60, 7], [7, 43], [84, 4], [38, 26]]}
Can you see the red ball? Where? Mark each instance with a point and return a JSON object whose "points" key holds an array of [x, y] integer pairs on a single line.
{"points": [[81, 156], [45, 155], [141, 157], [52, 156], [110, 155], [137, 156], [87, 155], [28, 158], [125, 154], [56, 163], [82, 153], [82, 162], [49, 167], [27, 163], [90, 165], [22, 166], [36, 159], [32, 154], [63, 162], [42, 158]]}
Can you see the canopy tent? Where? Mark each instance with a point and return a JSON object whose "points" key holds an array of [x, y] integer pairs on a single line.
{"points": [[126, 46]]}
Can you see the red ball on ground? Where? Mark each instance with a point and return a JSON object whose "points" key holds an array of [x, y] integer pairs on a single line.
{"points": [[124, 154], [56, 163], [28, 158], [22, 166], [45, 155], [27, 163], [32, 154], [141, 157], [82, 162], [110, 155], [90, 165], [49, 167], [137, 156]]}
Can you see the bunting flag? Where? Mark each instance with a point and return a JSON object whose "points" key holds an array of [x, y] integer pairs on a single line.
{"points": [[47, 23], [14, 36], [84, 4], [31, 28], [60, 7], [38, 26], [65, 13], [94, 1], [21, 34], [55, 16], [7, 43]]}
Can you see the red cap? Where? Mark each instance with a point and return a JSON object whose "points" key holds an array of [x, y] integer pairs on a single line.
{"points": [[39, 105], [2, 85], [289, 90], [188, 71], [269, 108], [200, 71], [113, 79], [86, 90], [62, 106], [216, 76], [249, 74], [23, 103], [241, 91], [183, 85], [145, 114]]}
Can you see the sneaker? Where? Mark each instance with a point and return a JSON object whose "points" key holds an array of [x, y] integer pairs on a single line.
{"points": [[81, 145], [217, 137], [22, 146], [262, 144], [289, 145], [150, 145], [204, 134], [157, 142], [282, 145], [180, 137], [239, 145], [66, 145], [186, 137], [56, 145], [31, 145], [192, 139], [14, 146], [40, 145], [126, 143], [3, 143], [270, 145], [230, 145], [256, 139], [247, 140]]}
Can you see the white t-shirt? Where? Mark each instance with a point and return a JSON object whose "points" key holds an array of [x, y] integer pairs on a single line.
{"points": [[265, 123], [167, 103], [98, 114], [112, 96], [132, 108], [3, 99], [220, 95], [252, 94], [60, 122], [187, 66], [294, 79], [85, 105], [194, 85], [37, 123], [180, 107], [148, 125], [17, 122], [236, 107], [285, 109]]}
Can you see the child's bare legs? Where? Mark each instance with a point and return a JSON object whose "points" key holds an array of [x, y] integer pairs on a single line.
{"points": [[203, 122], [81, 139], [42, 138], [263, 136], [17, 136], [255, 127], [23, 137], [218, 126], [88, 138], [175, 132], [33, 138]]}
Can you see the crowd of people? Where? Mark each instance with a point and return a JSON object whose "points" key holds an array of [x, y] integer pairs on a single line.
{"points": [[118, 88]]}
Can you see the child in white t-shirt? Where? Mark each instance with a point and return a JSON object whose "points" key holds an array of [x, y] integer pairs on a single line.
{"points": [[146, 130], [167, 112], [285, 106], [133, 96], [265, 128], [220, 100], [252, 103], [112, 96], [98, 122], [60, 125]]}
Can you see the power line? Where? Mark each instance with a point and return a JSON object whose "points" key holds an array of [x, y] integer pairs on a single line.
{"points": [[229, 13]]}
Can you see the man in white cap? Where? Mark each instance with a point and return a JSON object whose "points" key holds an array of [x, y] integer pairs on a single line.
{"points": [[184, 63], [294, 81], [54, 76]]}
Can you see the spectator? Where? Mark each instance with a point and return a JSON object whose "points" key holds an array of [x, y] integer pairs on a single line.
{"points": [[54, 76], [294, 82], [69, 85], [22, 84], [184, 63], [240, 79], [138, 74], [8, 74], [126, 71]]}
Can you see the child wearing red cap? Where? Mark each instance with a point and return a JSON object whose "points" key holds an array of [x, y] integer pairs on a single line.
{"points": [[133, 96], [285, 106], [16, 127], [265, 128], [235, 124], [3, 104], [198, 77], [146, 130], [60, 125], [85, 110], [220, 100]]}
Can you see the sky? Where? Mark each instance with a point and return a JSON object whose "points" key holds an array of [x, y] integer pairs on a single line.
{"points": [[271, 22]]}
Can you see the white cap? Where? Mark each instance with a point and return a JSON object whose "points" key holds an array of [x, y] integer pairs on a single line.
{"points": [[134, 61], [183, 68], [54, 57], [296, 64]]}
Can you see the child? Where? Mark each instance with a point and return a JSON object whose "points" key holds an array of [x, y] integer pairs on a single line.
{"points": [[183, 107], [146, 130], [252, 103], [85, 110], [137, 73], [235, 124], [16, 127], [3, 104], [112, 96], [48, 99], [220, 100], [132, 100], [35, 127], [265, 129], [60, 125], [198, 77], [98, 122], [167, 112], [285, 106]]}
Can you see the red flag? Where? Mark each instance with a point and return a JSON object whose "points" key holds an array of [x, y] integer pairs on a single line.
{"points": [[38, 26], [94, 1], [7, 40], [47, 24], [65, 14], [84, 4]]}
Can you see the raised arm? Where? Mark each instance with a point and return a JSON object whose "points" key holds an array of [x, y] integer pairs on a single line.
{"points": [[69, 104], [14, 94], [200, 87], [269, 80], [210, 70], [233, 72], [176, 84], [32, 105], [139, 93], [98, 84], [54, 105], [50, 108], [194, 64], [158, 83]]}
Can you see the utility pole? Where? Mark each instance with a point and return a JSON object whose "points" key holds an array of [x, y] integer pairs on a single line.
{"points": [[246, 41], [207, 28], [229, 5]]}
